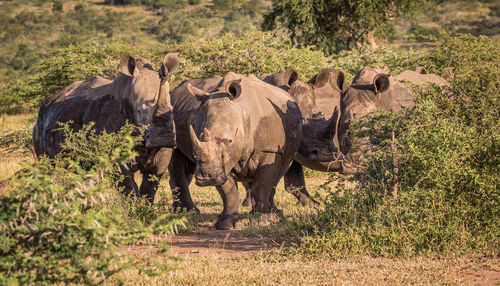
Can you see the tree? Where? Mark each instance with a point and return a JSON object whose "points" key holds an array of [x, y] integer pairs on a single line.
{"points": [[337, 24]]}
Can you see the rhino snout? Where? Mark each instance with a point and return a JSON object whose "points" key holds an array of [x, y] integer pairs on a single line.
{"points": [[204, 179]]}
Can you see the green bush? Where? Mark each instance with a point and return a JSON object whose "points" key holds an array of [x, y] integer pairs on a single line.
{"points": [[62, 223], [447, 158], [254, 53]]}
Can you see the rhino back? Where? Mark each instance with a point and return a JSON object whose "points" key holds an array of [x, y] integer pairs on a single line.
{"points": [[274, 119], [80, 103], [418, 78]]}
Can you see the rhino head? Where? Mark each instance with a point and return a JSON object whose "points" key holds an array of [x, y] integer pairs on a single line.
{"points": [[218, 136], [369, 91], [318, 101], [148, 94]]}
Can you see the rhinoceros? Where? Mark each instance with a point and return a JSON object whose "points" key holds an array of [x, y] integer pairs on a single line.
{"points": [[373, 89], [133, 96], [319, 104], [242, 129]]}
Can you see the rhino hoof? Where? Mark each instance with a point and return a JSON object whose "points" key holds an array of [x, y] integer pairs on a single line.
{"points": [[227, 221]]}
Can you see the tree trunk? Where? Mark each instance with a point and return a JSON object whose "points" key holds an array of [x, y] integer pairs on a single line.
{"points": [[370, 38]]}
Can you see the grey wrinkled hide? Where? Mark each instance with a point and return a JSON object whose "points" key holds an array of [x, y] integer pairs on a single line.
{"points": [[319, 103], [232, 129], [131, 97]]}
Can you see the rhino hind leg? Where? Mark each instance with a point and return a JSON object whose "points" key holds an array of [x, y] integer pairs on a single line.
{"points": [[296, 185], [180, 176], [264, 185], [230, 215]]}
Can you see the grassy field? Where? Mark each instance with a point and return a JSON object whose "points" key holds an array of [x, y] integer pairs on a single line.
{"points": [[256, 254]]}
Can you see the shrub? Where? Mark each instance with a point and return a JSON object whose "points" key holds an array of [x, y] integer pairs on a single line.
{"points": [[254, 53], [447, 157], [61, 223]]}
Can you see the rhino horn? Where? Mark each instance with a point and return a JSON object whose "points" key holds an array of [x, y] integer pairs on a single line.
{"points": [[163, 105], [197, 145], [206, 135], [331, 127]]}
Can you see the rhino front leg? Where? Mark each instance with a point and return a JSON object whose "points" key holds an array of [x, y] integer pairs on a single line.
{"points": [[151, 177], [296, 185], [149, 186], [128, 183], [180, 176], [230, 215]]}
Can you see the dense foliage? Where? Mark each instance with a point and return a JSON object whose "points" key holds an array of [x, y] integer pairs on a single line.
{"points": [[256, 53], [63, 223], [336, 24], [447, 158]]}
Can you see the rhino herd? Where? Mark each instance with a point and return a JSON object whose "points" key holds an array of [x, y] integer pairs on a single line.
{"points": [[224, 130]]}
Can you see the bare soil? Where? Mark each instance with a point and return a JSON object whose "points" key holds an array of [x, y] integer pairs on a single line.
{"points": [[220, 243]]}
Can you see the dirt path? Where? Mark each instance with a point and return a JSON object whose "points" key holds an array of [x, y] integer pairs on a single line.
{"points": [[217, 242], [220, 243]]}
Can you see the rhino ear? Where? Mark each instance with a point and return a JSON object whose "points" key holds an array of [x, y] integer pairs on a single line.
{"points": [[234, 88], [322, 78], [381, 82], [201, 95], [171, 62], [421, 70], [127, 65], [291, 75], [337, 79]]}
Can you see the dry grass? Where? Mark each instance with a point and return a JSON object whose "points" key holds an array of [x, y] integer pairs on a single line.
{"points": [[10, 162], [271, 269]]}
